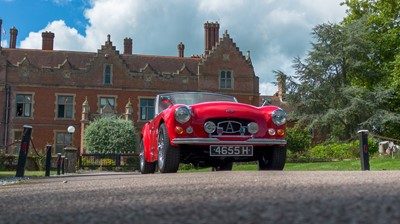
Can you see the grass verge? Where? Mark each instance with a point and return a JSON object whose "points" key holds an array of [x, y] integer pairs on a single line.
{"points": [[347, 165]]}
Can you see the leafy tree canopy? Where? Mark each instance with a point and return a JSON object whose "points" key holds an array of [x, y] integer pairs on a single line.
{"points": [[348, 79]]}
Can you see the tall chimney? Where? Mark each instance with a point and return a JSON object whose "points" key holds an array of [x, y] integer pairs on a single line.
{"points": [[281, 87], [211, 33], [181, 50], [47, 40], [13, 37], [128, 45]]}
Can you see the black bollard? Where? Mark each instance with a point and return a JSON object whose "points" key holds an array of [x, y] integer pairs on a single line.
{"points": [[58, 163], [23, 151], [118, 160], [364, 154], [62, 164], [66, 164], [48, 160]]}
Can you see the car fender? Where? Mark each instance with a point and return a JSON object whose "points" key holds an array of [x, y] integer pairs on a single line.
{"points": [[168, 118], [146, 143]]}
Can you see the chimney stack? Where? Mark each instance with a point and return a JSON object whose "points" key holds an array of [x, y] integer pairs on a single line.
{"points": [[47, 40], [181, 50], [281, 87], [13, 37], [128, 45], [211, 32]]}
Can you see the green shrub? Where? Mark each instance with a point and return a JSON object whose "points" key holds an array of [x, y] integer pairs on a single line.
{"points": [[184, 166], [373, 146], [2, 160], [298, 139], [134, 162], [333, 150], [107, 162], [87, 162], [110, 135], [336, 151]]}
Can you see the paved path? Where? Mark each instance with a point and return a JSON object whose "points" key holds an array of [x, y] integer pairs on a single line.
{"points": [[211, 197]]}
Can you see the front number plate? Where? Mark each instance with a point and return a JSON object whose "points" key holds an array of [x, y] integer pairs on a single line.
{"points": [[231, 150]]}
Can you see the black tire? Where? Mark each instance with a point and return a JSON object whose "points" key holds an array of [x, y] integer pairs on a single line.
{"points": [[145, 167], [274, 159], [168, 156], [224, 166]]}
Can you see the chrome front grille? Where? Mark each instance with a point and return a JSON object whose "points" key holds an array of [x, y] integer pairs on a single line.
{"points": [[231, 127]]}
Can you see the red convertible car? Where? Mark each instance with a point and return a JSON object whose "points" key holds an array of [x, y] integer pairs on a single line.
{"points": [[211, 130]]}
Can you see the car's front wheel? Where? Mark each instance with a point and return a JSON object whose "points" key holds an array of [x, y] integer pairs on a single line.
{"points": [[168, 156], [273, 159], [145, 167]]}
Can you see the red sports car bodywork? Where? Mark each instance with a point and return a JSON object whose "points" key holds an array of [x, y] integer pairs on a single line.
{"points": [[208, 129]]}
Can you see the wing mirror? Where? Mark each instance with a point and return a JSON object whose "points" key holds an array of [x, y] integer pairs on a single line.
{"points": [[165, 102]]}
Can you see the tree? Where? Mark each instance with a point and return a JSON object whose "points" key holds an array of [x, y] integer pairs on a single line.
{"points": [[338, 88], [382, 18], [110, 135]]}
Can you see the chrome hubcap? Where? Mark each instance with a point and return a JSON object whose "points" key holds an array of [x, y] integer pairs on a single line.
{"points": [[161, 152], [141, 157]]}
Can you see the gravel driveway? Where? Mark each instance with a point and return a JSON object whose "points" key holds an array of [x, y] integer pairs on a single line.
{"points": [[209, 197]]}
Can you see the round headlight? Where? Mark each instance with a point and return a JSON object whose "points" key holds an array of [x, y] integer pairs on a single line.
{"points": [[279, 117], [252, 127], [210, 127], [271, 131], [182, 114]]}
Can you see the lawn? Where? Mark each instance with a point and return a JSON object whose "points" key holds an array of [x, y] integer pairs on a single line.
{"points": [[348, 165]]}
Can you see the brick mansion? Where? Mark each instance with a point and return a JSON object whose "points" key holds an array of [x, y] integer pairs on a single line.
{"points": [[51, 90]]}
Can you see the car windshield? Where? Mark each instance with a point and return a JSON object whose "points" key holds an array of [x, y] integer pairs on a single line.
{"points": [[190, 98], [195, 98]]}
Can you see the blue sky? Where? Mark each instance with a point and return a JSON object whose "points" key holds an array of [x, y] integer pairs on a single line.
{"points": [[274, 31]]}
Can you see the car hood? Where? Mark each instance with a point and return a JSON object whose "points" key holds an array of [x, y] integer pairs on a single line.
{"points": [[230, 109]]}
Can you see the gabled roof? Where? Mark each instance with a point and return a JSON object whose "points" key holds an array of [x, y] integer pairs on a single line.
{"points": [[227, 42], [81, 60], [47, 59], [161, 64]]}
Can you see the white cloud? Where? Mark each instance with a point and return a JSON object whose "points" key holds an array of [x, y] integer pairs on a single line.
{"points": [[65, 38], [268, 89], [114, 17], [4, 43], [61, 2]]}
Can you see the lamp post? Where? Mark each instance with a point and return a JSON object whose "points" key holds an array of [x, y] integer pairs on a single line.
{"points": [[70, 153], [71, 130]]}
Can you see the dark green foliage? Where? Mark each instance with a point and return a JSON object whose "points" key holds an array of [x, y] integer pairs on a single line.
{"points": [[345, 83], [298, 139], [2, 159], [110, 135], [134, 162]]}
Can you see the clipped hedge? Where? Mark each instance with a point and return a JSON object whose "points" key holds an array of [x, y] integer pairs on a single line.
{"points": [[333, 151], [110, 135], [341, 151]]}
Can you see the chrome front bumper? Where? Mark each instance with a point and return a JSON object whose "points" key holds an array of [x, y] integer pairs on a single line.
{"points": [[209, 141]]}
